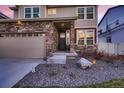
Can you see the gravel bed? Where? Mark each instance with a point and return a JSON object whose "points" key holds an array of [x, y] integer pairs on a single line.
{"points": [[70, 75]]}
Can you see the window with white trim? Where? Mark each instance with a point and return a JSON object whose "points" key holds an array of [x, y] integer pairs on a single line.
{"points": [[90, 13], [27, 12], [31, 12], [81, 13], [36, 12], [85, 37], [86, 12], [52, 11]]}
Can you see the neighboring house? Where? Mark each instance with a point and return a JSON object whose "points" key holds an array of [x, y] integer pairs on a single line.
{"points": [[65, 26], [111, 27], [3, 16]]}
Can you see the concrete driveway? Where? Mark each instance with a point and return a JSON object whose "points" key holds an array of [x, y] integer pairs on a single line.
{"points": [[13, 70]]}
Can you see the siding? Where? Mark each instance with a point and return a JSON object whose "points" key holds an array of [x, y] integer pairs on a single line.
{"points": [[21, 10], [63, 12], [118, 36], [111, 16]]}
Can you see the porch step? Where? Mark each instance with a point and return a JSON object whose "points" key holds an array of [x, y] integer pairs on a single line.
{"points": [[57, 59], [60, 57]]}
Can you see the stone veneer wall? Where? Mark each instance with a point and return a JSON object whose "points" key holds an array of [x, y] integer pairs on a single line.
{"points": [[72, 37], [48, 27]]}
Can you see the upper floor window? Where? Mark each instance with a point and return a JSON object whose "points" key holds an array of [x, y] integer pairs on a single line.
{"points": [[81, 13], [52, 11], [27, 12], [90, 13], [31, 12], [36, 12], [86, 12]]}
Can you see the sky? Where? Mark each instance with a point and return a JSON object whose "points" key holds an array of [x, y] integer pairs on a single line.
{"points": [[101, 10]]}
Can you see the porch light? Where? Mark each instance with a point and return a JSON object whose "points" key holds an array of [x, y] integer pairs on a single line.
{"points": [[43, 34], [62, 24], [94, 61], [19, 22]]}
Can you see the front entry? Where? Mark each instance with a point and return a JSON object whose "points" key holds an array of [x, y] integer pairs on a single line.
{"points": [[62, 41]]}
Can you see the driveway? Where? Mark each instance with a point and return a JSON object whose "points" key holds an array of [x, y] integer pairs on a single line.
{"points": [[13, 70]]}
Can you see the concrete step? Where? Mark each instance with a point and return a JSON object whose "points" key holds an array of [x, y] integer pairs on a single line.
{"points": [[57, 59]]}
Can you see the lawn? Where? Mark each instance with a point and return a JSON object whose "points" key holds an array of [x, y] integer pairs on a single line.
{"points": [[116, 83]]}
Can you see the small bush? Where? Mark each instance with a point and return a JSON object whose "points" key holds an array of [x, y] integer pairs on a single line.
{"points": [[98, 55], [47, 65], [65, 67], [72, 75], [109, 58], [52, 73]]}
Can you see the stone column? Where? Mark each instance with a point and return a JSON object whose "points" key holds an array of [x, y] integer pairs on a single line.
{"points": [[72, 37]]}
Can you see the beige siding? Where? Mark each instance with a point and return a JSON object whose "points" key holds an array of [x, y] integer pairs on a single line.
{"points": [[85, 24], [88, 23], [21, 10], [63, 12], [71, 12], [22, 47]]}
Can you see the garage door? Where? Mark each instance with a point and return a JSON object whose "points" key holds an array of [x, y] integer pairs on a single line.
{"points": [[22, 46]]}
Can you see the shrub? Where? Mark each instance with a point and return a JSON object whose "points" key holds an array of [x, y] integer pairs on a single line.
{"points": [[98, 55], [109, 58], [52, 73], [72, 75], [65, 67]]}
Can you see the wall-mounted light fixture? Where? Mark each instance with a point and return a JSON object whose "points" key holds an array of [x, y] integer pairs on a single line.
{"points": [[19, 22], [62, 24]]}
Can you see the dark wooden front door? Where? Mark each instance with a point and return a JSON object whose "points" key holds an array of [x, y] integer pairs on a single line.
{"points": [[62, 41]]}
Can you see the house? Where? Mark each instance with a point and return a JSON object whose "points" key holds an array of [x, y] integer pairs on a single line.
{"points": [[3, 16], [111, 27], [65, 27]]}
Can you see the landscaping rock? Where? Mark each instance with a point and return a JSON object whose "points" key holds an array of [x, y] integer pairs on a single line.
{"points": [[72, 76], [84, 63]]}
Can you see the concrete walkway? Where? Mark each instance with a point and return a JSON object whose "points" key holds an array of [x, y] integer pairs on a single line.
{"points": [[13, 70]]}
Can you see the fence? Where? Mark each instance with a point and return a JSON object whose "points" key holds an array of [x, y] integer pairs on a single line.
{"points": [[111, 48]]}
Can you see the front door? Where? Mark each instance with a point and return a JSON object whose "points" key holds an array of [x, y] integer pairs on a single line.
{"points": [[62, 41]]}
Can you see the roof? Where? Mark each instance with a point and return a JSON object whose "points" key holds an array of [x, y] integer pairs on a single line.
{"points": [[107, 13], [51, 6], [3, 16], [14, 7]]}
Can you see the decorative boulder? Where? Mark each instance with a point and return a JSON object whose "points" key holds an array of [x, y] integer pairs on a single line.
{"points": [[84, 63]]}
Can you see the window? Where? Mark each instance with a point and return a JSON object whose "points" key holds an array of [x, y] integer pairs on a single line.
{"points": [[27, 12], [67, 37], [85, 37], [80, 13], [52, 11], [89, 37], [108, 39], [90, 13], [85, 12], [36, 12], [31, 12], [80, 37], [23, 34]]}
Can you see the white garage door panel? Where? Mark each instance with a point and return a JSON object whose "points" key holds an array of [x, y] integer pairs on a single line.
{"points": [[22, 47]]}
